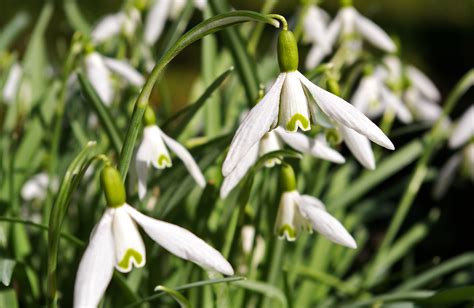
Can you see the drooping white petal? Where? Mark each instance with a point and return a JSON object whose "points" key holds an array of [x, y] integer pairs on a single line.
{"points": [[108, 27], [315, 56], [257, 122], [187, 159], [427, 110], [359, 146], [156, 150], [423, 83], [325, 223], [334, 30], [346, 114], [131, 21], [314, 25], [396, 105], [125, 70], [348, 17], [294, 111], [10, 88], [374, 34], [446, 175], [394, 67], [99, 76], [316, 147], [269, 143], [155, 20], [240, 170], [97, 265], [366, 92], [289, 221], [182, 243], [176, 8], [200, 4], [464, 129], [129, 247], [142, 164]]}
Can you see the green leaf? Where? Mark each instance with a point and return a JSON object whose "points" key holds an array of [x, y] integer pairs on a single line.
{"points": [[206, 27], [182, 301], [75, 17], [104, 115], [451, 296], [266, 289], [8, 298], [12, 29], [6, 270]]}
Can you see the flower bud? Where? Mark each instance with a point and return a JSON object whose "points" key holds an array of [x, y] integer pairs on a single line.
{"points": [[287, 178], [149, 117], [113, 187], [287, 51]]}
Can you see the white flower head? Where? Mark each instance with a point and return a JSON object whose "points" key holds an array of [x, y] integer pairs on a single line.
{"points": [[464, 129], [116, 242], [153, 151], [37, 187], [12, 84], [298, 213], [295, 102], [315, 31], [111, 25]]}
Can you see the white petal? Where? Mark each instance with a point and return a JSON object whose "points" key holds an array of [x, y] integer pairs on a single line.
{"points": [[200, 4], [326, 224], [374, 34], [155, 20], [129, 247], [289, 221], [359, 146], [182, 243], [155, 148], [125, 70], [396, 105], [96, 266], [36, 187], [257, 122], [334, 30], [231, 180], [315, 147], [464, 129], [177, 7], [142, 163], [187, 159], [10, 88], [423, 83], [294, 111], [446, 175], [315, 56], [269, 143], [366, 93], [312, 201], [346, 114], [99, 76], [108, 27]]}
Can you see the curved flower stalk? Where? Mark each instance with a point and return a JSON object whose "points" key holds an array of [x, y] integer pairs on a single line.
{"points": [[298, 213], [350, 27], [153, 151], [295, 102], [160, 12], [112, 25], [99, 71], [373, 97], [116, 242], [273, 141], [36, 187], [462, 140], [315, 32], [12, 84]]}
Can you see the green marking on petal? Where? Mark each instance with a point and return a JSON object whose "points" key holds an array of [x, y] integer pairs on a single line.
{"points": [[298, 117], [289, 231], [130, 253], [164, 161]]}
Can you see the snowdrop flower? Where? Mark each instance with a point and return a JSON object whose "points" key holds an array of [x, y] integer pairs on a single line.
{"points": [[373, 98], [12, 84], [116, 242], [315, 31], [160, 12], [272, 141], [349, 26], [99, 71], [461, 136], [302, 212], [153, 151], [37, 187], [294, 102], [113, 24]]}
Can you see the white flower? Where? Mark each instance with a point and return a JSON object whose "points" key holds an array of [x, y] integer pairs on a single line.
{"points": [[160, 12], [294, 101], [116, 242], [422, 83], [12, 83], [271, 142], [422, 108], [359, 146], [315, 31], [37, 187], [302, 212], [373, 98], [153, 151], [99, 71], [348, 25], [113, 24], [464, 129]]}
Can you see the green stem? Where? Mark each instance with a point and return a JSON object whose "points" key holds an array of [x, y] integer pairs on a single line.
{"points": [[257, 33]]}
